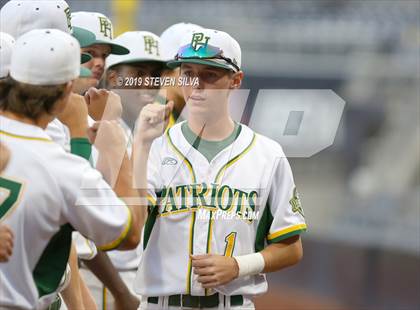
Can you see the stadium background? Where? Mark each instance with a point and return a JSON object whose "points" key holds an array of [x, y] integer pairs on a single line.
{"points": [[361, 195]]}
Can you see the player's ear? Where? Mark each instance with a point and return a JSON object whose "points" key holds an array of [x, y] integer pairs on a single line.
{"points": [[236, 80]]}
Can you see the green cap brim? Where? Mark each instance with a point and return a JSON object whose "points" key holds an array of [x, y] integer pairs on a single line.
{"points": [[85, 37], [85, 72], [85, 57], [116, 49], [172, 64]]}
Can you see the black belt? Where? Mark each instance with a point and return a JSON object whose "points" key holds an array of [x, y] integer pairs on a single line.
{"points": [[198, 301]]}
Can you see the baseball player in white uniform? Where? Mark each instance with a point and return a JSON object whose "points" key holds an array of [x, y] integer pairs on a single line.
{"points": [[224, 208], [40, 191]]}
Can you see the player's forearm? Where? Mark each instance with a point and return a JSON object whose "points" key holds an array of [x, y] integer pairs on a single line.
{"points": [[140, 158], [71, 294], [138, 193], [104, 270], [281, 255], [124, 188]]}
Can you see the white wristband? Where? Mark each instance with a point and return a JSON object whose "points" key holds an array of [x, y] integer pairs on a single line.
{"points": [[250, 264]]}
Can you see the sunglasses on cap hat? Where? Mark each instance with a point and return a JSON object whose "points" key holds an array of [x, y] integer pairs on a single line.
{"points": [[204, 52]]}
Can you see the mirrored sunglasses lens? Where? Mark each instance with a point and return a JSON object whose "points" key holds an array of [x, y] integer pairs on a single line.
{"points": [[206, 51]]}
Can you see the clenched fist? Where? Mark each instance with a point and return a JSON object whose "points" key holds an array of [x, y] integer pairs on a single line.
{"points": [[108, 137], [152, 122], [74, 116], [103, 104], [214, 270]]}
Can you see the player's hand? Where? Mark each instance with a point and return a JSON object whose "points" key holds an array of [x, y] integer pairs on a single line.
{"points": [[152, 122], [103, 104], [107, 136], [214, 270], [6, 243], [74, 116]]}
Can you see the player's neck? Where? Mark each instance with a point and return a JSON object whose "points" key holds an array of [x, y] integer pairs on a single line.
{"points": [[42, 121], [216, 129]]}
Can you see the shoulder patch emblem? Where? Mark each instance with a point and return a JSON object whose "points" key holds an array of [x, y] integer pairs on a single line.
{"points": [[295, 203]]}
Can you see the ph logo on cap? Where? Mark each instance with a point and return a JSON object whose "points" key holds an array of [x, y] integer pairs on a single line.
{"points": [[105, 27], [151, 45], [199, 40]]}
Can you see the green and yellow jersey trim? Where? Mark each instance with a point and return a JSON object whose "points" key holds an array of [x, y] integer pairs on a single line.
{"points": [[193, 213], [151, 199], [235, 159], [12, 135], [182, 157], [286, 233], [114, 244]]}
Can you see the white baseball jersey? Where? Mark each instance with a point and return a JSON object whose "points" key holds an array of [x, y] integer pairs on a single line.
{"points": [[236, 204], [42, 201]]}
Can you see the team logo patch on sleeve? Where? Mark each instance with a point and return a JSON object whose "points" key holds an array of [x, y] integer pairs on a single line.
{"points": [[295, 203]]}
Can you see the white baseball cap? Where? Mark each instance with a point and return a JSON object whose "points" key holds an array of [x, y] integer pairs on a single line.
{"points": [[143, 45], [171, 38], [60, 61], [18, 17], [209, 47], [101, 27], [6, 47]]}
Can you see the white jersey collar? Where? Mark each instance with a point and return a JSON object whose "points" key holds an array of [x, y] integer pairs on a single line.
{"points": [[13, 128], [243, 141]]}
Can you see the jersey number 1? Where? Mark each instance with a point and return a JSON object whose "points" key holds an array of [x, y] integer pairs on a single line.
{"points": [[9, 194], [230, 244]]}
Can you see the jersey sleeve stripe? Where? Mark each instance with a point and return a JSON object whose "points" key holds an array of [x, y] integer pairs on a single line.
{"points": [[114, 244], [285, 233]]}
